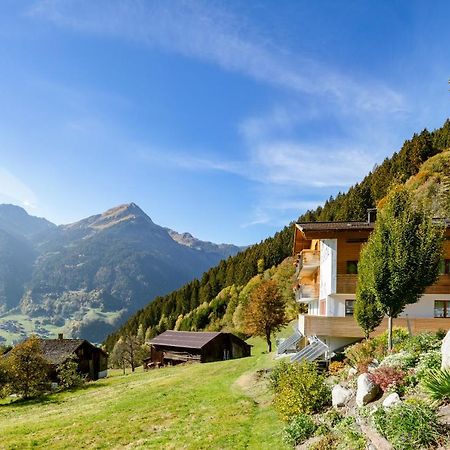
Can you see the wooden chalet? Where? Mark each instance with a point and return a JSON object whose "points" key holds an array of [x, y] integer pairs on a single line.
{"points": [[326, 258], [92, 360], [174, 347]]}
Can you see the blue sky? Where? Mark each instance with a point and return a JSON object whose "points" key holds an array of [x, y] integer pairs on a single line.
{"points": [[223, 118]]}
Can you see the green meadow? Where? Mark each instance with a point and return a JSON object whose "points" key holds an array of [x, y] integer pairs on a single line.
{"points": [[223, 405]]}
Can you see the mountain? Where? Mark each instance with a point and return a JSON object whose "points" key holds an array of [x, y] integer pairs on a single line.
{"points": [[190, 241], [87, 276], [167, 311], [16, 221]]}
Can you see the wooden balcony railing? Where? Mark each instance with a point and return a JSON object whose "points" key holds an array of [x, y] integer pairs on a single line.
{"points": [[346, 284], [307, 292], [347, 327], [308, 261]]}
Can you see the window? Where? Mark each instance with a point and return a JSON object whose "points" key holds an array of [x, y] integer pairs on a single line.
{"points": [[442, 308], [444, 267], [349, 307], [352, 267]]}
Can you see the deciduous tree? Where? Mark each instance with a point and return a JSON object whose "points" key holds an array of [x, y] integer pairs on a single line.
{"points": [[401, 257], [265, 312], [28, 368]]}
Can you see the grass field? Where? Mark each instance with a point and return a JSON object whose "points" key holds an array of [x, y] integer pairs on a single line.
{"points": [[200, 406]]}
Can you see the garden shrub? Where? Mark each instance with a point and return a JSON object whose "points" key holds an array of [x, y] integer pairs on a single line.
{"points": [[363, 353], [299, 388], [388, 378], [409, 425], [300, 428], [374, 348], [327, 442], [428, 361], [437, 384], [332, 417], [336, 367], [403, 360], [350, 438], [423, 342]]}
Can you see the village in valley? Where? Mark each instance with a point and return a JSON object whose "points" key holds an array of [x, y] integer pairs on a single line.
{"points": [[287, 130]]}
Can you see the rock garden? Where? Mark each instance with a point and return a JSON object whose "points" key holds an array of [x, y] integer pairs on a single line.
{"points": [[369, 398]]}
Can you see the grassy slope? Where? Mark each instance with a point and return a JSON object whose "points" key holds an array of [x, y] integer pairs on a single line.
{"points": [[215, 405]]}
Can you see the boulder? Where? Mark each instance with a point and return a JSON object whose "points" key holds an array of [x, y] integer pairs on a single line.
{"points": [[373, 365], [352, 372], [391, 400], [367, 390], [340, 395], [445, 350]]}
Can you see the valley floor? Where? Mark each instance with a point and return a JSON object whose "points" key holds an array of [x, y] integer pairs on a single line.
{"points": [[200, 406]]}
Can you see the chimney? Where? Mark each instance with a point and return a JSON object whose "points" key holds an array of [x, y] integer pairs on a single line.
{"points": [[371, 215], [60, 336]]}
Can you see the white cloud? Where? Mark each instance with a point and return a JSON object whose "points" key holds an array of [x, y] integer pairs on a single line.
{"points": [[12, 189], [291, 163], [205, 31], [276, 152]]}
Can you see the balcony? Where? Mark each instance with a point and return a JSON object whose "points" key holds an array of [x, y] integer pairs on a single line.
{"points": [[346, 283], [347, 326], [308, 262], [307, 292]]}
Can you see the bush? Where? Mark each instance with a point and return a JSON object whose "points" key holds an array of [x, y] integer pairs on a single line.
{"points": [[332, 417], [67, 373], [388, 378], [402, 360], [437, 384], [328, 442], [349, 436], [428, 361], [362, 353], [336, 367], [423, 342], [408, 425], [299, 429], [299, 388]]}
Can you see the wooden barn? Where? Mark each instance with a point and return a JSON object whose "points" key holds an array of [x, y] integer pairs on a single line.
{"points": [[174, 347], [92, 360]]}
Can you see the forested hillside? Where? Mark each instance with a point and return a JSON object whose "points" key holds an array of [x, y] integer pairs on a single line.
{"points": [[238, 270]]}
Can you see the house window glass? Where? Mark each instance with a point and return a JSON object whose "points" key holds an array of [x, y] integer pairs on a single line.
{"points": [[442, 308], [352, 267], [444, 267], [349, 307]]}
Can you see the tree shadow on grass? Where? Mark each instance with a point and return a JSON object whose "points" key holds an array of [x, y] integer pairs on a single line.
{"points": [[50, 398]]}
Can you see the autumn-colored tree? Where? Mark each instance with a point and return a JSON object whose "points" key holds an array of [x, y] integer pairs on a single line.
{"points": [[265, 312], [28, 369]]}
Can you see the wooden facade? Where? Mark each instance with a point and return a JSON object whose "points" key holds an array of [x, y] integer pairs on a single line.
{"points": [[348, 250], [92, 361], [311, 325], [328, 287], [175, 347]]}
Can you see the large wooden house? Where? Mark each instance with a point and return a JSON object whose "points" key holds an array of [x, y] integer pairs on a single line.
{"points": [[174, 347], [92, 361], [326, 257]]}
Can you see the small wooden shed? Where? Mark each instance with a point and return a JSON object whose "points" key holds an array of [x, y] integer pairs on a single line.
{"points": [[92, 360], [174, 347]]}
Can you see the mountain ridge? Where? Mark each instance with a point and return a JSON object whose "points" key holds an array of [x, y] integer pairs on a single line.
{"points": [[89, 275]]}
